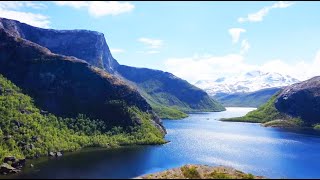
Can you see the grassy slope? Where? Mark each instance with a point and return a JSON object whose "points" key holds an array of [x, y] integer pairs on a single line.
{"points": [[201, 172], [164, 112], [269, 115], [58, 134], [169, 96]]}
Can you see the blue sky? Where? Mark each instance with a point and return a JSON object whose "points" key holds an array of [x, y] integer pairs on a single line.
{"points": [[193, 40]]}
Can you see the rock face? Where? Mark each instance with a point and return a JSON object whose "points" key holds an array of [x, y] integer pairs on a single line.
{"points": [[67, 86], [83, 44], [301, 100], [91, 47]]}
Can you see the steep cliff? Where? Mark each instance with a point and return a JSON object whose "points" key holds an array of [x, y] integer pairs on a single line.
{"points": [[90, 46], [67, 86], [172, 94]]}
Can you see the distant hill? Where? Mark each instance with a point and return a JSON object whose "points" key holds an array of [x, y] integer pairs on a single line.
{"points": [[250, 99], [297, 105]]}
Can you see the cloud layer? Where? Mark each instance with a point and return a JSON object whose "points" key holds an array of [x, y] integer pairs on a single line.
{"points": [[11, 10], [258, 16], [99, 8], [209, 67]]}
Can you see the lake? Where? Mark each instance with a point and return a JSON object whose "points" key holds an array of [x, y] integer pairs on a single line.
{"points": [[198, 139]]}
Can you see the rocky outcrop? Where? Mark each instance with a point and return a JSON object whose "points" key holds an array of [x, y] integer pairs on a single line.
{"points": [[90, 46], [301, 100], [67, 86], [11, 165], [191, 171]]}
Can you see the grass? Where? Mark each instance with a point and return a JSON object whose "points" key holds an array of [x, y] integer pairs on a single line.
{"points": [[190, 172]]}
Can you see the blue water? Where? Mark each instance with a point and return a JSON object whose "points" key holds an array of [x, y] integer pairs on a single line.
{"points": [[198, 139]]}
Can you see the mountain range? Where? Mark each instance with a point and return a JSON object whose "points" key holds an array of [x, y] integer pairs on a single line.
{"points": [[297, 105], [245, 82], [169, 95], [250, 89]]}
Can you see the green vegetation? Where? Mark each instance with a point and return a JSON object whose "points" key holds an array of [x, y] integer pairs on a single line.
{"points": [[170, 96], [316, 127], [190, 172], [164, 112], [168, 113], [218, 175], [26, 131], [292, 123], [269, 115], [265, 113], [201, 172]]}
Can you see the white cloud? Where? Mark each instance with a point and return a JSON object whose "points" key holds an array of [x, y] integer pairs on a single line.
{"points": [[151, 43], [99, 8], [235, 34], [211, 67], [14, 5], [244, 46], [115, 50], [258, 16], [10, 10], [206, 67]]}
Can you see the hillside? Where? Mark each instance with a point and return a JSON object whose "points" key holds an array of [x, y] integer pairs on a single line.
{"points": [[295, 106], [250, 99], [201, 172], [28, 132], [68, 86], [91, 47], [164, 89]]}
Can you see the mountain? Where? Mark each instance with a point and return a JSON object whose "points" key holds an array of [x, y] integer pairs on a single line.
{"points": [[67, 86], [91, 46], [164, 89], [297, 105], [245, 83], [29, 132], [250, 99]]}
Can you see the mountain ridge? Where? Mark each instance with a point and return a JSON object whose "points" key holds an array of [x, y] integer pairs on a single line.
{"points": [[93, 49], [245, 82]]}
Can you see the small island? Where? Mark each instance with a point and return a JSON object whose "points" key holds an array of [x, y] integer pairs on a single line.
{"points": [[201, 172]]}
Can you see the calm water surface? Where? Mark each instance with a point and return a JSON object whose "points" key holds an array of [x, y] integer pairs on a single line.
{"points": [[198, 139]]}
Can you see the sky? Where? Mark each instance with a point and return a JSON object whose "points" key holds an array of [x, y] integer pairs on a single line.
{"points": [[193, 40]]}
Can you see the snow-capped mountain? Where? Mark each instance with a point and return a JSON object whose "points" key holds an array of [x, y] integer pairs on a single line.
{"points": [[246, 82]]}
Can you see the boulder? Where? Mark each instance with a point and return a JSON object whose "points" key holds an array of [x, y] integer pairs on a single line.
{"points": [[19, 163], [6, 168], [9, 158], [58, 154], [52, 154]]}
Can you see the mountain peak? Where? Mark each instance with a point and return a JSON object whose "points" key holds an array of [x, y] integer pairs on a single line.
{"points": [[246, 82]]}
